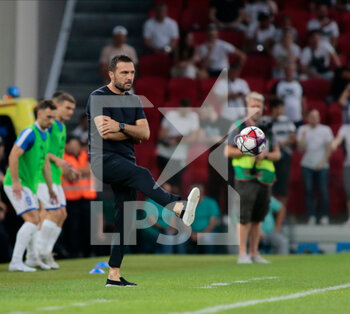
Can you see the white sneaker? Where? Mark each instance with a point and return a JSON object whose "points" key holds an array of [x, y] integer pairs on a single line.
{"points": [[190, 211], [312, 221], [50, 261], [244, 259], [259, 259], [37, 263], [19, 266], [324, 221]]}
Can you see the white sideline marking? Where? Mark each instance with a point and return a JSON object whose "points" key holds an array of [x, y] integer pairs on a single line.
{"points": [[61, 307], [302, 294], [221, 284]]}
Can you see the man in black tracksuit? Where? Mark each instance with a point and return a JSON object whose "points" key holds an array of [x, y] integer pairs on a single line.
{"points": [[112, 136]]}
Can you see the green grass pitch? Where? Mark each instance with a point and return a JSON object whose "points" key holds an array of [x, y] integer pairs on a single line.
{"points": [[173, 284]]}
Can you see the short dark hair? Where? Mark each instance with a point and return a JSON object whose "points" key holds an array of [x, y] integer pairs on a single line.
{"points": [[115, 60], [44, 104], [59, 97], [276, 102]]}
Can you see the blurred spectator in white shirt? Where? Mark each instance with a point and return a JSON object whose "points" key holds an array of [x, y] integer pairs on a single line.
{"points": [[315, 140], [180, 125], [119, 47], [286, 25], [81, 131], [291, 92], [227, 14], [323, 23], [187, 59], [284, 53], [214, 52], [161, 33], [261, 34], [315, 58], [343, 137], [233, 105]]}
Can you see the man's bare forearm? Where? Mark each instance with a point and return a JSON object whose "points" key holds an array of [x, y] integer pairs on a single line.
{"points": [[137, 132]]}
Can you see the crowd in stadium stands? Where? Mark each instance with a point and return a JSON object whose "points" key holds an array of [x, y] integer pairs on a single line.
{"points": [[295, 53]]}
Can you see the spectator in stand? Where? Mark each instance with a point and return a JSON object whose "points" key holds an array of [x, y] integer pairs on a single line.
{"points": [[119, 47], [344, 102], [254, 177], [186, 59], [237, 89], [161, 33], [79, 193], [213, 130], [343, 136], [227, 14], [207, 218], [271, 228], [341, 79], [286, 25], [261, 35], [315, 140], [285, 52], [324, 24], [81, 131], [161, 222], [315, 58], [214, 52], [291, 92], [283, 130], [175, 121], [254, 7]]}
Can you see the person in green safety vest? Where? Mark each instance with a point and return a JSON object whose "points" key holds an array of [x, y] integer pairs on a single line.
{"points": [[28, 159], [254, 177]]}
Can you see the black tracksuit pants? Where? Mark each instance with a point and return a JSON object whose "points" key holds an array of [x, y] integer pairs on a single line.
{"points": [[126, 178]]}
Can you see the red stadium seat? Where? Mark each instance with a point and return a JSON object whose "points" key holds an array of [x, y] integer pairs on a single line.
{"points": [[234, 38], [316, 88], [205, 86], [179, 88], [154, 117], [344, 43], [335, 114], [320, 106], [198, 4], [294, 5], [258, 66], [344, 22], [194, 19], [256, 84], [199, 37], [157, 64], [153, 88], [336, 183], [271, 83]]}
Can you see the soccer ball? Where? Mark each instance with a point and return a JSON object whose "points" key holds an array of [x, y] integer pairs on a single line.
{"points": [[251, 141]]}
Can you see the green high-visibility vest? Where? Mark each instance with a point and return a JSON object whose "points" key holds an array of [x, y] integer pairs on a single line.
{"points": [[31, 163], [246, 168], [58, 141]]}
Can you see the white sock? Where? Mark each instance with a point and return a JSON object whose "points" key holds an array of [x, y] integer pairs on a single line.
{"points": [[32, 253], [24, 235], [44, 236], [53, 238]]}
